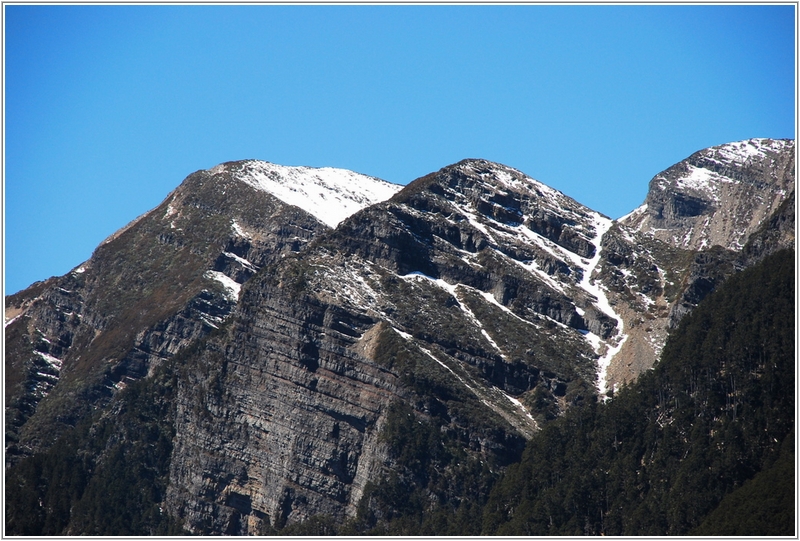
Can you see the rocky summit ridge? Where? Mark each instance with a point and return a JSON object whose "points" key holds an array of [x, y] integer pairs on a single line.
{"points": [[717, 196], [305, 314]]}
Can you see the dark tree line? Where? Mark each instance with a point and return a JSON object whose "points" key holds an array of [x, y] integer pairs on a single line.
{"points": [[661, 456]]}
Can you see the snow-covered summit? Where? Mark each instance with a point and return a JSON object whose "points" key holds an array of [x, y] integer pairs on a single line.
{"points": [[329, 194]]}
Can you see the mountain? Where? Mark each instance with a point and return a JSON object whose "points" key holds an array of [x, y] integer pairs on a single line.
{"points": [[163, 281], [716, 212], [278, 347]]}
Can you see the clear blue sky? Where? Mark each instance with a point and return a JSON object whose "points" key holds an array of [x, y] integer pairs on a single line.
{"points": [[108, 108]]}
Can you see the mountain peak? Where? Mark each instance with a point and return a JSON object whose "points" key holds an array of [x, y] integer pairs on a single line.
{"points": [[749, 149], [717, 196], [504, 175]]}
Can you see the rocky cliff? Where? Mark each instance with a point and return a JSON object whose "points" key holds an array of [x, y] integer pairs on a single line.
{"points": [[330, 347], [429, 299], [716, 212]]}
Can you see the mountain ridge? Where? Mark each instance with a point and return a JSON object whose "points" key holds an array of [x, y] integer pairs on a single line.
{"points": [[158, 283], [481, 299]]}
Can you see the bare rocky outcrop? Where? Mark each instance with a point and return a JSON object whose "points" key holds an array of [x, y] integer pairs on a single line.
{"points": [[719, 211], [368, 315], [278, 419]]}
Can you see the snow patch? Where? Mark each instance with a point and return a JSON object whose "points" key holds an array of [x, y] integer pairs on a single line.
{"points": [[242, 261], [520, 406], [205, 318], [490, 298], [402, 333], [232, 287], [472, 389], [43, 337], [702, 180], [473, 221], [329, 194], [348, 283], [49, 359], [237, 229], [635, 213], [741, 151]]}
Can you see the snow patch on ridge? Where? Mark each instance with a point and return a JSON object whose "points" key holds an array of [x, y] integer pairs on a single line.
{"points": [[635, 213], [329, 194], [741, 151]]}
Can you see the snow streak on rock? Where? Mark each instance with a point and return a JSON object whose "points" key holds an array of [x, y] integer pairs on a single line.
{"points": [[464, 308], [50, 360], [231, 287], [482, 393], [612, 347]]}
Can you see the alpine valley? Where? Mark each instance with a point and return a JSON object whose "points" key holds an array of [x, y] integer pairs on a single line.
{"points": [[285, 350]]}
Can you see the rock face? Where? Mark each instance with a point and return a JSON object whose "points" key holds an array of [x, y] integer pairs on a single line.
{"points": [[476, 300], [444, 275]]}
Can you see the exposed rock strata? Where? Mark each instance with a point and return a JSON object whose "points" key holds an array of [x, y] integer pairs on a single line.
{"points": [[475, 296], [718, 196]]}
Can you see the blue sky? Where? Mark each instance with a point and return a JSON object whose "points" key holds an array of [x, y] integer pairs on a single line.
{"points": [[108, 108]]}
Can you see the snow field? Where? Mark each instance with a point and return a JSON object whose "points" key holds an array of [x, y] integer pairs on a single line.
{"points": [[329, 194]]}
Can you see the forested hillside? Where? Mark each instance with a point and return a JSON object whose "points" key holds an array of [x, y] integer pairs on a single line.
{"points": [[661, 456]]}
